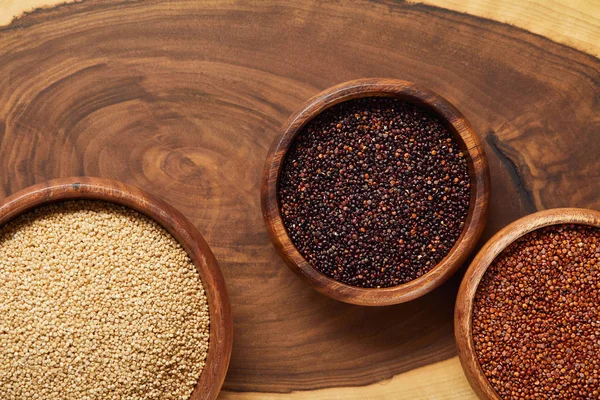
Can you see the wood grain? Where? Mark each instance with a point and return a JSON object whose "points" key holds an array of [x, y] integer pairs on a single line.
{"points": [[221, 324], [13, 9], [184, 98], [476, 271], [575, 23], [479, 174], [441, 380]]}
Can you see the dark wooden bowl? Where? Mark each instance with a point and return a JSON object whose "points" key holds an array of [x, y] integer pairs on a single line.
{"points": [[463, 311], [221, 324], [478, 173]]}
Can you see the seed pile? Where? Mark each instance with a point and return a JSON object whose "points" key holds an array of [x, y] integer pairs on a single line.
{"points": [[536, 316], [98, 302], [374, 192]]}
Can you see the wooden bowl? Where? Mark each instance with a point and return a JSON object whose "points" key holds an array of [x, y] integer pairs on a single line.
{"points": [[463, 311], [221, 324], [477, 168]]}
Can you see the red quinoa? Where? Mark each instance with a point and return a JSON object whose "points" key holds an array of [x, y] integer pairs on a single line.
{"points": [[536, 316]]}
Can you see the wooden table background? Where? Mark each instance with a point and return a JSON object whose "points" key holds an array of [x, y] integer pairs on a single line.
{"points": [[183, 98]]}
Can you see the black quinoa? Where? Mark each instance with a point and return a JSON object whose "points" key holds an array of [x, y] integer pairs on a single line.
{"points": [[374, 192]]}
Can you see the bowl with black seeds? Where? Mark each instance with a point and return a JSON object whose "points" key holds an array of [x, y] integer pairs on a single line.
{"points": [[527, 316], [376, 191]]}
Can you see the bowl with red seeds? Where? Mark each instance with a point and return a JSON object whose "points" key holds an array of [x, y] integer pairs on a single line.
{"points": [[376, 191], [527, 316]]}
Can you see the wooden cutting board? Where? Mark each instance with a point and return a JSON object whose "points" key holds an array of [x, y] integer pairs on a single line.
{"points": [[184, 98]]}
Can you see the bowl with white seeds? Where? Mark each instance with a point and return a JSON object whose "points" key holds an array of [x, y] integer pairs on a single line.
{"points": [[107, 292]]}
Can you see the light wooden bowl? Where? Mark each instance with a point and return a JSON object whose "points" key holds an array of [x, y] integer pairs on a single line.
{"points": [[463, 311], [221, 324], [478, 173]]}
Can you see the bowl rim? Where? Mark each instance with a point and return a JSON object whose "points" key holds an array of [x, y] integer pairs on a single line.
{"points": [[92, 188], [463, 311], [479, 200]]}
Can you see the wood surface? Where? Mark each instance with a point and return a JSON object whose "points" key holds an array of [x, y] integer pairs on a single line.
{"points": [[575, 23], [221, 324], [476, 271], [184, 98], [479, 174]]}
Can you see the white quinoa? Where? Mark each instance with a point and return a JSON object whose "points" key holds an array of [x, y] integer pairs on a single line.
{"points": [[98, 302]]}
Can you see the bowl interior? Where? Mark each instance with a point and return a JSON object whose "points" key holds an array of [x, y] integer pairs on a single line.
{"points": [[476, 271], [468, 142], [80, 188]]}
